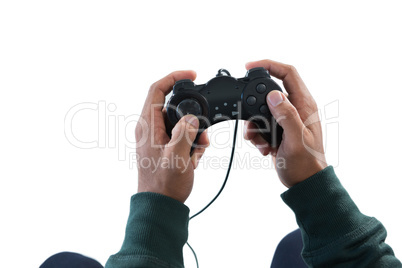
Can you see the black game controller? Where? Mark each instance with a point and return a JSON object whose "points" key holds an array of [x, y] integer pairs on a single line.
{"points": [[227, 98]]}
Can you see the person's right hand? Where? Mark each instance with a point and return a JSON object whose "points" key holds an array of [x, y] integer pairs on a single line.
{"points": [[301, 153]]}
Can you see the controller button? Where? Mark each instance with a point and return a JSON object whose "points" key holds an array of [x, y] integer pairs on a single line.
{"points": [[261, 88], [188, 106], [184, 81], [257, 72], [264, 109], [251, 100]]}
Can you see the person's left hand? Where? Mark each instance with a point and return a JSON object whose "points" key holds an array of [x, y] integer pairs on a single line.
{"points": [[164, 164]]}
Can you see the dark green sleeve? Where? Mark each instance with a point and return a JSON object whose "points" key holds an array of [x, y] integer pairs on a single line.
{"points": [[335, 233], [156, 232]]}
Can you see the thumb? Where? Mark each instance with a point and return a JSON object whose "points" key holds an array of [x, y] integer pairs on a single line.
{"points": [[285, 114], [183, 135]]}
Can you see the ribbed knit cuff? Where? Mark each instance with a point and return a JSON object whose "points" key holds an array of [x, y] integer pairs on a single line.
{"points": [[324, 210], [156, 231]]}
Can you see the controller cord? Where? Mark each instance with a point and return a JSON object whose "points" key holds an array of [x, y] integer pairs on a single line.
{"points": [[222, 187]]}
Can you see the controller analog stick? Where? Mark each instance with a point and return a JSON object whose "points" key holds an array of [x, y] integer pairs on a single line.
{"points": [[188, 106]]}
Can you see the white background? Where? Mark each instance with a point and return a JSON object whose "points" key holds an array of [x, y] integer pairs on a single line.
{"points": [[53, 55]]}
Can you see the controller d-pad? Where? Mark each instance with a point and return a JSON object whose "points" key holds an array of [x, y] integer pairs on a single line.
{"points": [[251, 100], [188, 106]]}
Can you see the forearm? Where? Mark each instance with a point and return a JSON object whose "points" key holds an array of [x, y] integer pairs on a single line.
{"points": [[335, 233], [156, 232]]}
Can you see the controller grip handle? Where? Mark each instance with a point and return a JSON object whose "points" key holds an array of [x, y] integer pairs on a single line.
{"points": [[270, 131]]}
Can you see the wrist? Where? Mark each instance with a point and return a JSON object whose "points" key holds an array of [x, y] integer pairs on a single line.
{"points": [[309, 172], [180, 197], [296, 171]]}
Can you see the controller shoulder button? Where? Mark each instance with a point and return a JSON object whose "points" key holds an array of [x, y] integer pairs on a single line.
{"points": [[183, 84], [257, 72]]}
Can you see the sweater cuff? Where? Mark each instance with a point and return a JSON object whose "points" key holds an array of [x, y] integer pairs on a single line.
{"points": [[157, 229], [323, 208]]}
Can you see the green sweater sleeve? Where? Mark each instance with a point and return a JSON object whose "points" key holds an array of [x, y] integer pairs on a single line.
{"points": [[156, 232], [335, 233]]}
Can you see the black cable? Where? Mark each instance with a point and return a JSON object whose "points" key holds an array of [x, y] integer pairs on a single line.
{"points": [[222, 187], [221, 71], [195, 255], [227, 175]]}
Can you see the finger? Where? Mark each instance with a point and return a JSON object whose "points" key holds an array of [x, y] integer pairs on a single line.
{"points": [[161, 88], [183, 136], [203, 140], [250, 130], [156, 95], [299, 95], [152, 112], [252, 133], [287, 73], [261, 144], [197, 154], [285, 114]]}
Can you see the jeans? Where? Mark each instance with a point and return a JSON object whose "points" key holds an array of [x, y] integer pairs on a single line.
{"points": [[70, 260], [288, 252], [287, 255]]}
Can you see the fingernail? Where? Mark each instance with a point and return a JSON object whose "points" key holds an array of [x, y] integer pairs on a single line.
{"points": [[193, 120], [275, 98]]}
